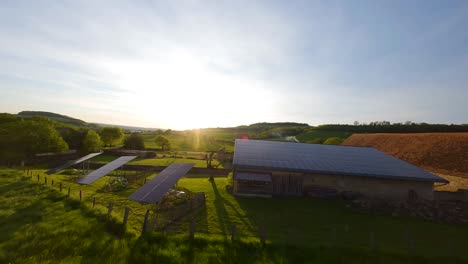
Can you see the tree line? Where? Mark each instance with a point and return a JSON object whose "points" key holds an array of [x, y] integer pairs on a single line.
{"points": [[387, 127], [22, 138]]}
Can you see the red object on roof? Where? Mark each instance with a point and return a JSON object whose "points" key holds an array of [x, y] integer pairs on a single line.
{"points": [[245, 137]]}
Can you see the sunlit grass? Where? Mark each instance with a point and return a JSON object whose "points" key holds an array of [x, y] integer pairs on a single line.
{"points": [[40, 224]]}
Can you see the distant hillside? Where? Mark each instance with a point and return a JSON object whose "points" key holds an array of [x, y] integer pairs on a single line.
{"points": [[56, 117], [439, 152], [128, 127]]}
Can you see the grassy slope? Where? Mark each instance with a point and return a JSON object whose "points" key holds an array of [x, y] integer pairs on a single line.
{"points": [[38, 224], [312, 136]]}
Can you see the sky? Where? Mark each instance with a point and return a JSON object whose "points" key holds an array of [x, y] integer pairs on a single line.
{"points": [[193, 64]]}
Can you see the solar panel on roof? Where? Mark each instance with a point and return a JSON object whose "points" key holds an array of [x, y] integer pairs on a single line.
{"points": [[317, 158], [73, 162], [104, 170], [157, 187]]}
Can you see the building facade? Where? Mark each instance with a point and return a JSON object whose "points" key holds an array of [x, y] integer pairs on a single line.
{"points": [[265, 168]]}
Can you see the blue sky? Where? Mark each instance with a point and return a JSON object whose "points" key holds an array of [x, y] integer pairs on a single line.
{"points": [[189, 64]]}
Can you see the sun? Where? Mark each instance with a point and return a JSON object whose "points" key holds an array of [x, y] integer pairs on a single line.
{"points": [[183, 93]]}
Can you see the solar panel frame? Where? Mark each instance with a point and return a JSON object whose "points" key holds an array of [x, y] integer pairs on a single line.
{"points": [[106, 169], [326, 159], [157, 187], [73, 162]]}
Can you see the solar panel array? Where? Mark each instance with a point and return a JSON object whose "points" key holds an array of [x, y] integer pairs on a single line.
{"points": [[332, 159], [157, 187], [73, 162], [106, 169]]}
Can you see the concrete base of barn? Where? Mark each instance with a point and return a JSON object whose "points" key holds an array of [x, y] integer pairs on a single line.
{"points": [[253, 195]]}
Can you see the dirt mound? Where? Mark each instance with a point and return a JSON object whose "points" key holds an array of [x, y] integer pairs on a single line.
{"points": [[438, 152]]}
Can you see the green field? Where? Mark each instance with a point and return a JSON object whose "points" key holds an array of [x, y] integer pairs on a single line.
{"points": [[195, 140], [319, 136], [154, 161], [40, 224]]}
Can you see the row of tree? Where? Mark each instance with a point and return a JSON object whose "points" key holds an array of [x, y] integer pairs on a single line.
{"points": [[21, 138], [387, 127]]}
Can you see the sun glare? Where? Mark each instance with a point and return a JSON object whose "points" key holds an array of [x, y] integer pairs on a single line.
{"points": [[183, 93]]}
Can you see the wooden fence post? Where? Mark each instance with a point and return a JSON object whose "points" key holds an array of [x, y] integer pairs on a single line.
{"points": [[45, 179], [372, 241], [60, 187], [262, 235], [192, 229], [68, 194], [409, 242], [233, 232], [80, 195], [52, 183], [38, 178], [94, 201], [125, 218], [333, 236], [109, 209], [145, 222]]}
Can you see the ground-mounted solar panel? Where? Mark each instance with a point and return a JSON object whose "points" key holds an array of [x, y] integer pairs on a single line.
{"points": [[327, 159], [157, 187], [106, 169], [73, 162]]}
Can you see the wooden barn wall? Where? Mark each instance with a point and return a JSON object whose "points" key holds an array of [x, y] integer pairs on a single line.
{"points": [[293, 183], [371, 187]]}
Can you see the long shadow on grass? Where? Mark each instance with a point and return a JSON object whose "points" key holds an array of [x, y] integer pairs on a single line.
{"points": [[221, 212], [28, 214]]}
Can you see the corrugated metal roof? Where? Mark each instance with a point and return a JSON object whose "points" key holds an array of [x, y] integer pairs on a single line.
{"points": [[157, 187], [73, 162], [328, 159], [104, 170], [247, 176]]}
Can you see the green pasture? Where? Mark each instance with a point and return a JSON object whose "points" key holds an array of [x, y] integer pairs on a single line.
{"points": [[154, 161], [195, 140], [319, 136], [38, 223]]}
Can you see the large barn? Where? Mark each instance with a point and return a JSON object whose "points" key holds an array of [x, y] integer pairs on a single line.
{"points": [[268, 168]]}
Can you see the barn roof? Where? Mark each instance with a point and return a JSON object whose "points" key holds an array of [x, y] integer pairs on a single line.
{"points": [[327, 159]]}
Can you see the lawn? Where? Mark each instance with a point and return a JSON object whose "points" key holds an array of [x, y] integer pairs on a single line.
{"points": [[40, 224]]}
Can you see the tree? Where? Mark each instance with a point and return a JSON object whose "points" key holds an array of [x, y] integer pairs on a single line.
{"points": [[22, 139], [92, 142], [163, 142], [111, 135], [73, 136], [134, 141], [333, 141]]}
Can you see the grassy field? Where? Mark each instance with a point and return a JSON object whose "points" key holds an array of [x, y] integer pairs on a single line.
{"points": [[40, 224], [318, 136], [154, 161], [196, 140]]}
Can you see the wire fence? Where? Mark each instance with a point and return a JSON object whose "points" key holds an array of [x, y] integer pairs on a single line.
{"points": [[181, 220]]}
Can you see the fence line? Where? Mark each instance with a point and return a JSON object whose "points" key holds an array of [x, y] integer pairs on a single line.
{"points": [[372, 238], [194, 204]]}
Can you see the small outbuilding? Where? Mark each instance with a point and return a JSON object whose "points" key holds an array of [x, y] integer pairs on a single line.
{"points": [[267, 168]]}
